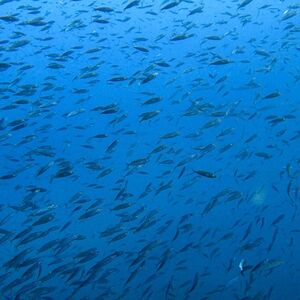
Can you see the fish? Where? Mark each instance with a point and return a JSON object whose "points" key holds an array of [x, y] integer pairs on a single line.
{"points": [[140, 48], [105, 9], [132, 4], [288, 14], [219, 62], [196, 10], [180, 37], [170, 5], [149, 77], [204, 173], [244, 3], [148, 115]]}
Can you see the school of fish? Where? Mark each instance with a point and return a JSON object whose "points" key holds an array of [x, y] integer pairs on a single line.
{"points": [[149, 149]]}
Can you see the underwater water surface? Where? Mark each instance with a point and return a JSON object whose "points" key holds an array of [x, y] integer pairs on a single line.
{"points": [[149, 149]]}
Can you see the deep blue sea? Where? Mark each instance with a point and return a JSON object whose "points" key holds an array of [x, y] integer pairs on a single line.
{"points": [[149, 150]]}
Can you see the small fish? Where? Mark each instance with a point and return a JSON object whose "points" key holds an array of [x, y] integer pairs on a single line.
{"points": [[142, 49], [149, 78], [180, 37], [205, 174], [288, 14], [220, 62], [244, 3], [132, 4], [272, 95], [4, 66], [104, 9], [8, 176], [196, 11], [148, 115], [117, 79], [44, 220], [170, 5]]}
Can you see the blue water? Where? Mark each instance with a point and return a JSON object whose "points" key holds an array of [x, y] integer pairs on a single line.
{"points": [[149, 149]]}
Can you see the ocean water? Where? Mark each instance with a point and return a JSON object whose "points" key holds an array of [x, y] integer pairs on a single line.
{"points": [[149, 149]]}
